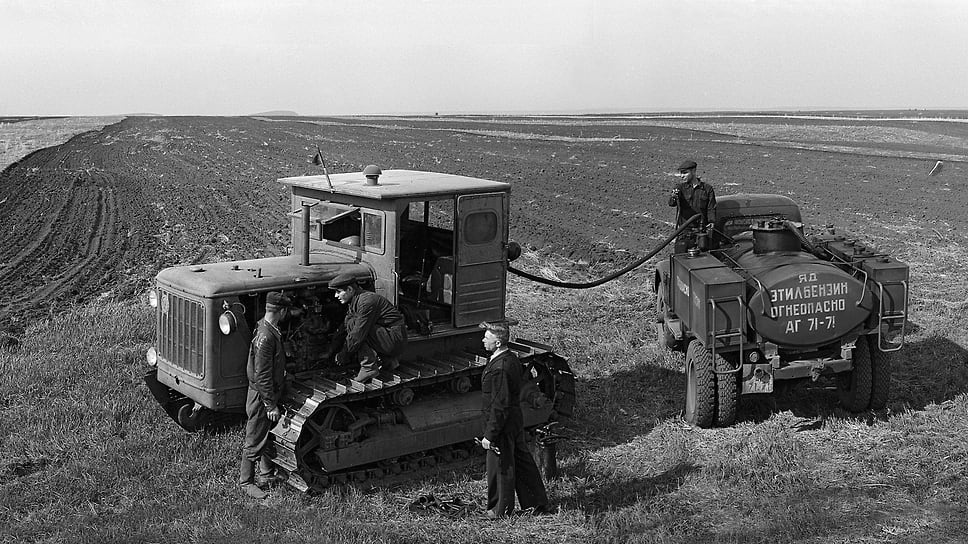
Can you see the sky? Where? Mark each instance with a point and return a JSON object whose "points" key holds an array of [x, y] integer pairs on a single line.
{"points": [[322, 57]]}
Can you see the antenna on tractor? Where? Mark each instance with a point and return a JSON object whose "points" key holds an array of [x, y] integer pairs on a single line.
{"points": [[318, 160]]}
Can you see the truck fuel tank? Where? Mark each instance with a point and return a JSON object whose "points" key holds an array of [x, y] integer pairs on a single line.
{"points": [[708, 296], [803, 304]]}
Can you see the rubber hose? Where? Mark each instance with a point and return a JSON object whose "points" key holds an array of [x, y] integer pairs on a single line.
{"points": [[613, 275], [803, 240]]}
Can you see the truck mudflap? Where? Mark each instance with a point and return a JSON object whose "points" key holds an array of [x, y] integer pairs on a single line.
{"points": [[336, 430]]}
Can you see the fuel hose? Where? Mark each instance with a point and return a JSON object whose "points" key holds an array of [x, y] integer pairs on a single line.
{"points": [[613, 275]]}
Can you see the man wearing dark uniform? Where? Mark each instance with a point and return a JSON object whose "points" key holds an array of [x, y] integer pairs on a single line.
{"points": [[510, 466], [374, 332], [266, 370], [692, 196]]}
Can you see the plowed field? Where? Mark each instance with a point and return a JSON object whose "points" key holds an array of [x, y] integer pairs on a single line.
{"points": [[100, 214]]}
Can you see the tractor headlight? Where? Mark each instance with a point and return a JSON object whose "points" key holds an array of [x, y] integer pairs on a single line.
{"points": [[226, 322], [753, 357], [152, 356], [152, 298]]}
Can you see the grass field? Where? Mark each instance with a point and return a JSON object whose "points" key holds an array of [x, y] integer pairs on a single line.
{"points": [[87, 456], [19, 138]]}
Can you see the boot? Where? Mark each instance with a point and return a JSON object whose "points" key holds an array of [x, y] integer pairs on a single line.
{"points": [[389, 363], [369, 364], [366, 374], [254, 491], [268, 474]]}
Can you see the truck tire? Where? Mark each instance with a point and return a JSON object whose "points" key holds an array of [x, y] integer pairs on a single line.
{"points": [[664, 337], [661, 306], [880, 374], [854, 387], [701, 391], [727, 388]]}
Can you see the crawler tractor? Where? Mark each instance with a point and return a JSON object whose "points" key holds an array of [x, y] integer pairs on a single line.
{"points": [[436, 245], [753, 300]]}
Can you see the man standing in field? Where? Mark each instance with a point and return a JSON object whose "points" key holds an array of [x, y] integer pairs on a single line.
{"points": [[692, 196], [373, 333], [510, 467], [266, 370]]}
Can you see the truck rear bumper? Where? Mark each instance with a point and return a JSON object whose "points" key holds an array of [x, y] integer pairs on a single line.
{"points": [[813, 368]]}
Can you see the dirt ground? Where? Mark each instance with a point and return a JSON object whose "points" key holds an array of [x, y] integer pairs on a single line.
{"points": [[99, 215]]}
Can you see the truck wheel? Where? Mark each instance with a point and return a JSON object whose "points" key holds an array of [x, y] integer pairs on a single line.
{"points": [[700, 386], [880, 374], [727, 387], [661, 306], [665, 338], [854, 388]]}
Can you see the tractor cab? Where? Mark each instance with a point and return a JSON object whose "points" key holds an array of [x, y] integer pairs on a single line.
{"points": [[435, 244]]}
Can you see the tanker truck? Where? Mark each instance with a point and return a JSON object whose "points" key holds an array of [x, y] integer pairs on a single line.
{"points": [[435, 245], [753, 300]]}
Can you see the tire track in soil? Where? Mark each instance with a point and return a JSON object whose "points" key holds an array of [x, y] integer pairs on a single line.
{"points": [[74, 248], [99, 254], [37, 246]]}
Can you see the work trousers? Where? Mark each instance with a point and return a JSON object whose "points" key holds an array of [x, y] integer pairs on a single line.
{"points": [[385, 342], [514, 471], [256, 437]]}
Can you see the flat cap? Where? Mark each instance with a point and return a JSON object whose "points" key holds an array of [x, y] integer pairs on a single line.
{"points": [[276, 300], [687, 165], [342, 280]]}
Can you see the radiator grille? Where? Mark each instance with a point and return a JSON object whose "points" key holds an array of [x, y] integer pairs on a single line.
{"points": [[181, 332]]}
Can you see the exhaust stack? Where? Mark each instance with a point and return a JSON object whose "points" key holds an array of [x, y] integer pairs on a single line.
{"points": [[305, 233]]}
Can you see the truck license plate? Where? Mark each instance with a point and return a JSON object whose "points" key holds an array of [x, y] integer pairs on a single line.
{"points": [[758, 382]]}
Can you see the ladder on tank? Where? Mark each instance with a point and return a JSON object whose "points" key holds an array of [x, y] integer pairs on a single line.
{"points": [[725, 334], [888, 319]]}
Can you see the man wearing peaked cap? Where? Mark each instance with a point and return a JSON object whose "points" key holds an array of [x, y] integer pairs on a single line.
{"points": [[266, 370], [275, 301], [343, 280], [510, 469], [373, 333], [690, 197], [687, 165]]}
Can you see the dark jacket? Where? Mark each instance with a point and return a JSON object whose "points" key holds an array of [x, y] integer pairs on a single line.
{"points": [[366, 311], [501, 396], [691, 200], [266, 367]]}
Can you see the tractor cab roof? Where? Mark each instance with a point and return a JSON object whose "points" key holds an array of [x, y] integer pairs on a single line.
{"points": [[392, 185]]}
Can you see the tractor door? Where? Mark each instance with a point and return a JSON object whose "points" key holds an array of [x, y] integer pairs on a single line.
{"points": [[481, 266]]}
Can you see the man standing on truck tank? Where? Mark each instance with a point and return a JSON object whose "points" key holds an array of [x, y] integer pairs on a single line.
{"points": [[692, 196], [509, 464], [373, 333], [266, 370]]}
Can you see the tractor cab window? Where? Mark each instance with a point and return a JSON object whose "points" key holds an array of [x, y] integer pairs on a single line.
{"points": [[426, 263], [340, 224], [373, 231], [480, 227], [348, 226]]}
